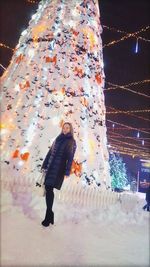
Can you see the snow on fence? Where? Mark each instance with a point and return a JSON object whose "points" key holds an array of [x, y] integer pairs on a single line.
{"points": [[74, 192]]}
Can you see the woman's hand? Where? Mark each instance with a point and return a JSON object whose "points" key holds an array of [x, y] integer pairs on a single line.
{"points": [[43, 170], [66, 176]]}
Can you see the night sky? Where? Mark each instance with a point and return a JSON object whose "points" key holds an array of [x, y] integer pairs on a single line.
{"points": [[121, 64]]}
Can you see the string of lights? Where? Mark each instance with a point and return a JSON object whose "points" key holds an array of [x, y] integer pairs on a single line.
{"points": [[6, 46], [119, 145], [124, 32], [133, 153], [126, 143], [120, 136], [116, 86], [132, 150], [114, 134], [32, 1], [127, 36], [130, 84], [122, 128], [126, 113], [128, 127]]}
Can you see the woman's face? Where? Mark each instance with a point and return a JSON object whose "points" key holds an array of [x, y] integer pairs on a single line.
{"points": [[66, 128]]}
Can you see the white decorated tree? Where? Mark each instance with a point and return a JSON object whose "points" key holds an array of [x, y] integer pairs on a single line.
{"points": [[56, 75]]}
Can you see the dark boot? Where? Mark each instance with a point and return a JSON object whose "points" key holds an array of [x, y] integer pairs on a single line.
{"points": [[49, 218], [52, 217]]}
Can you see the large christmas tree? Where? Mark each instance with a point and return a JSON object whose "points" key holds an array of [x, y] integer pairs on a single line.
{"points": [[56, 75]]}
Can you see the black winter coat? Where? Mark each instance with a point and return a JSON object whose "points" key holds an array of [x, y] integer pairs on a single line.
{"points": [[58, 160]]}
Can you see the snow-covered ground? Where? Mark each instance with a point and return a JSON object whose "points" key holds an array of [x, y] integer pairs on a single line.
{"points": [[116, 235]]}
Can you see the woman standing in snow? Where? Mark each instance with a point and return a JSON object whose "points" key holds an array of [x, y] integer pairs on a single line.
{"points": [[57, 165]]}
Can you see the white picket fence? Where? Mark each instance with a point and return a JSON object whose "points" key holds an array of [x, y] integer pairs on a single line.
{"points": [[75, 193]]}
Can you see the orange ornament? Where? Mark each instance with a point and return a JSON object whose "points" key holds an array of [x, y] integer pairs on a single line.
{"points": [[78, 71], [15, 154], [25, 156], [84, 101], [63, 90], [19, 58], [51, 59], [76, 168], [98, 78], [75, 32], [24, 85]]}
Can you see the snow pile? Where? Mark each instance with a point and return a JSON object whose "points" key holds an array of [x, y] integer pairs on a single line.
{"points": [[81, 236], [128, 208]]}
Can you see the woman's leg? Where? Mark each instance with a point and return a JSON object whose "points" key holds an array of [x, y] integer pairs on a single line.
{"points": [[49, 197]]}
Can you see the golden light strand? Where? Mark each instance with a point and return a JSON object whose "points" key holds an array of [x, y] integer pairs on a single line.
{"points": [[122, 128], [114, 134], [131, 149], [126, 143], [128, 111], [6, 46], [127, 36], [127, 148], [129, 127], [130, 153], [129, 84], [138, 151], [32, 1], [120, 31], [127, 137], [128, 114], [116, 86]]}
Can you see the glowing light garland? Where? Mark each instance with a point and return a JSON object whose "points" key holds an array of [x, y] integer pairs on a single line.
{"points": [[128, 137], [122, 128], [127, 149], [129, 127], [116, 86], [130, 152], [32, 1], [120, 31], [127, 113], [127, 36], [6, 46], [126, 143], [129, 84]]}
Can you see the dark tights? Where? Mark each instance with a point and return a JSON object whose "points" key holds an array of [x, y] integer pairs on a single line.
{"points": [[49, 197]]}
